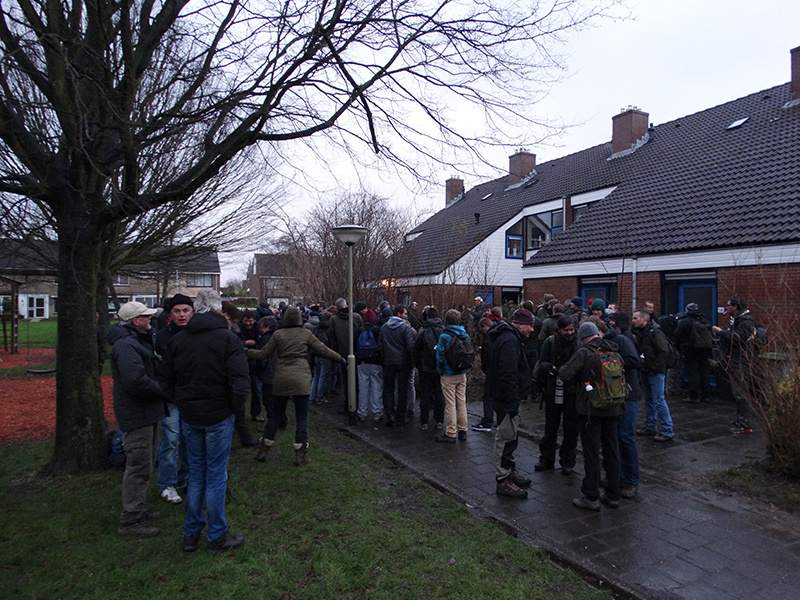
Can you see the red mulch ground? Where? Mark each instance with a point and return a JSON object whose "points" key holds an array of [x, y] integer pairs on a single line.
{"points": [[28, 402]]}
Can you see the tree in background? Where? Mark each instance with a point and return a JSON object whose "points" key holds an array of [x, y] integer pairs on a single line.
{"points": [[93, 94]]}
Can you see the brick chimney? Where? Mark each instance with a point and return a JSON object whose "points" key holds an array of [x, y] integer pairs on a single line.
{"points": [[453, 188], [628, 127], [795, 85], [520, 165]]}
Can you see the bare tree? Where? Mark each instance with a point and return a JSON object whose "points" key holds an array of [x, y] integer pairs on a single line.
{"points": [[93, 93]]}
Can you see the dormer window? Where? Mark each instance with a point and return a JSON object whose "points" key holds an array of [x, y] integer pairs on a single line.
{"points": [[514, 240]]}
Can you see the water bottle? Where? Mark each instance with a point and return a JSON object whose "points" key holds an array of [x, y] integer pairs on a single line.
{"points": [[559, 391], [589, 388]]}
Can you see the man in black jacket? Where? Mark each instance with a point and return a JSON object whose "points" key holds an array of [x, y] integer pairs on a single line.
{"points": [[509, 381], [205, 370], [423, 352], [695, 339], [654, 345], [139, 405]]}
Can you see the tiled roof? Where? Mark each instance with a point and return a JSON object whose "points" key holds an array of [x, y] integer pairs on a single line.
{"points": [[699, 185], [694, 184]]}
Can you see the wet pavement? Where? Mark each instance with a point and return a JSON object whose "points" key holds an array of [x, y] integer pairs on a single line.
{"points": [[677, 539]]}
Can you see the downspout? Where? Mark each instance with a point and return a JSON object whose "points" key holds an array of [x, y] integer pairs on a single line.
{"points": [[633, 285]]}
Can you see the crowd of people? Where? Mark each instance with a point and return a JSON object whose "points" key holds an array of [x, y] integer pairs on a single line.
{"points": [[587, 367]]}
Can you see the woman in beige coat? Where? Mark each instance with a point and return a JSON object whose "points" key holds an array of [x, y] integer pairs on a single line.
{"points": [[292, 379]]}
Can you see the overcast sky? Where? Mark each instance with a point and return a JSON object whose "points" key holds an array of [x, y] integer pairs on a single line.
{"points": [[671, 59]]}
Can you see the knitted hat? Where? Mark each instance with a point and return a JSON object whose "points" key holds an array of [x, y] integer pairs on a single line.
{"points": [[598, 304], [523, 317], [577, 301], [176, 300], [360, 305], [692, 308], [587, 329], [369, 316]]}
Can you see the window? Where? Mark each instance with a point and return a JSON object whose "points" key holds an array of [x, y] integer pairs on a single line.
{"points": [[580, 210], [37, 307], [514, 240], [149, 301], [199, 280], [543, 227], [120, 280]]}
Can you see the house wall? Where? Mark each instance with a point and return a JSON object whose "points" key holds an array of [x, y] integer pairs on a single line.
{"points": [[563, 288], [771, 291]]}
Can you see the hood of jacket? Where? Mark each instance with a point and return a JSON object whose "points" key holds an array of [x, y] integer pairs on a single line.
{"points": [[206, 322], [292, 318], [396, 322], [434, 322], [502, 328]]}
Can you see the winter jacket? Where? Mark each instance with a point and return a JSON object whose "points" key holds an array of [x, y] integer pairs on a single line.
{"points": [[579, 370], [205, 370], [292, 343], [556, 352], [508, 376], [630, 358], [395, 342], [340, 328], [266, 368], [139, 401], [736, 342], [164, 336], [442, 366], [549, 327], [683, 333], [424, 350], [653, 343]]}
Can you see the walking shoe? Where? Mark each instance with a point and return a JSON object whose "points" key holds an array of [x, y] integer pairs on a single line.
{"points": [[543, 465], [518, 480], [362, 419], [584, 502], [462, 436], [446, 439], [481, 427], [423, 426], [741, 426], [225, 542], [170, 495], [139, 528], [261, 455], [647, 432], [300, 454], [258, 419], [190, 542], [663, 438], [628, 491], [389, 421], [567, 470], [378, 419], [152, 515], [609, 502], [439, 425], [506, 487]]}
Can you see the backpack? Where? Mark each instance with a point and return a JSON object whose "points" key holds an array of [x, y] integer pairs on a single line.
{"points": [[700, 337], [430, 337], [672, 354], [668, 324], [607, 376], [459, 353], [759, 339], [367, 345]]}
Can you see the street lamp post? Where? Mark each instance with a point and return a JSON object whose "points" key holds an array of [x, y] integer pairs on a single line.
{"points": [[350, 235]]}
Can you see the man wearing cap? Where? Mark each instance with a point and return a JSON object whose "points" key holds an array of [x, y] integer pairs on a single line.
{"points": [[598, 427], [508, 379], [173, 466], [139, 404]]}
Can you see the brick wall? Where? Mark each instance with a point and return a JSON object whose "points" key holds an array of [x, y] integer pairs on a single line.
{"points": [[563, 288], [771, 291]]}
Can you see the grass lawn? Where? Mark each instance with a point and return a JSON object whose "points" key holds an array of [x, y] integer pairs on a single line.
{"points": [[38, 334], [349, 525]]}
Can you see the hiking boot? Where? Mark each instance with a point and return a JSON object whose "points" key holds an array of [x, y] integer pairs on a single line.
{"points": [[481, 427], [741, 426], [152, 515], [169, 494], [390, 420], [518, 480], [584, 502], [567, 470], [462, 436], [225, 542], [139, 528], [261, 455], [258, 419], [628, 491], [445, 439], [543, 465], [423, 426], [663, 438], [190, 542], [609, 502], [439, 425], [647, 432], [506, 487], [300, 456]]}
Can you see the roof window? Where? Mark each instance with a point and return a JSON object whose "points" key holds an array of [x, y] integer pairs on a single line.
{"points": [[489, 195], [738, 123]]}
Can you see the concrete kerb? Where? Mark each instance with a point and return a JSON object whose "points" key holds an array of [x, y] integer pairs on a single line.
{"points": [[509, 526]]}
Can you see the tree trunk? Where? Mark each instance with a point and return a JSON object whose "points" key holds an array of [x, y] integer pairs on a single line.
{"points": [[80, 436]]}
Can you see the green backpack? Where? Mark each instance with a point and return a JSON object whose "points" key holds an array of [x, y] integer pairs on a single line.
{"points": [[607, 377]]}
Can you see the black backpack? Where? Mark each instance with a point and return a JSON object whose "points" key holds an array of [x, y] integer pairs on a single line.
{"points": [[460, 354], [430, 337], [700, 337]]}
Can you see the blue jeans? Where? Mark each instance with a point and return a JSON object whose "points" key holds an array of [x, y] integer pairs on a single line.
{"points": [[655, 404], [319, 381], [208, 448], [279, 404], [370, 390], [172, 451], [628, 452]]}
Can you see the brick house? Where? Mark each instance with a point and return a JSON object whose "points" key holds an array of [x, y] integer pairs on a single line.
{"points": [[692, 210], [268, 278]]}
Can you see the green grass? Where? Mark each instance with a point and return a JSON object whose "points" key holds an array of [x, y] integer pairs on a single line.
{"points": [[38, 334], [349, 525]]}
